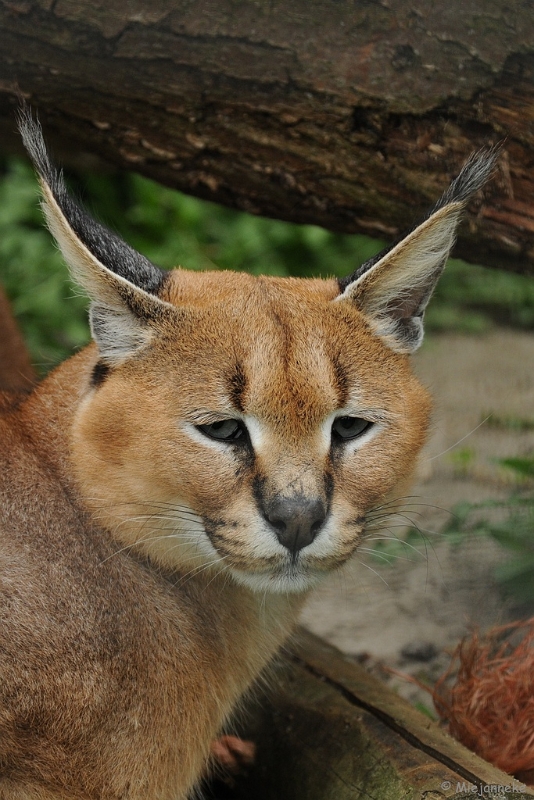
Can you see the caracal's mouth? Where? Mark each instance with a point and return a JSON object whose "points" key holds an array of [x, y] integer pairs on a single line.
{"points": [[292, 576]]}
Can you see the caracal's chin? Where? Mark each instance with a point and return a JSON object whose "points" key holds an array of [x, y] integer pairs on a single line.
{"points": [[294, 576], [292, 580]]}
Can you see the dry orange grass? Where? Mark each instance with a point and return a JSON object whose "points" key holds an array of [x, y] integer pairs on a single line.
{"points": [[490, 705]]}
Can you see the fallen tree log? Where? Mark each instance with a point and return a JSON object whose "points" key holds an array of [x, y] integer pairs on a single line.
{"points": [[330, 731], [351, 116]]}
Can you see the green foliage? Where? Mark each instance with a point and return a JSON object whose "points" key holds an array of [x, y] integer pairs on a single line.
{"points": [[515, 533], [386, 550], [426, 710], [171, 228], [511, 524], [524, 467], [507, 422], [462, 459], [33, 273], [470, 299]]}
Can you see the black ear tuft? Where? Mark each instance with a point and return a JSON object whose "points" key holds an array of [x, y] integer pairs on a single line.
{"points": [[474, 174], [476, 171], [108, 248], [127, 311], [393, 288]]}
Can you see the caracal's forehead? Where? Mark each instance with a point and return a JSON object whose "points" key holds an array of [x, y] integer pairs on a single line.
{"points": [[205, 289], [281, 349]]}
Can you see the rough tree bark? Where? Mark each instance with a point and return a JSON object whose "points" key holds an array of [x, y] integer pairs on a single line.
{"points": [[331, 731], [349, 115]]}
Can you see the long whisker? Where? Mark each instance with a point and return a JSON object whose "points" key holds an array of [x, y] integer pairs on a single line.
{"points": [[467, 435], [198, 570], [389, 539], [367, 566], [389, 559], [176, 517], [175, 507], [189, 539]]}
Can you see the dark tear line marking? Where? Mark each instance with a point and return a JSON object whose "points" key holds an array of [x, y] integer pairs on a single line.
{"points": [[237, 386], [100, 372], [341, 381]]}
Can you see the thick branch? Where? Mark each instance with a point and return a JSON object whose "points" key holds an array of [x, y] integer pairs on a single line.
{"points": [[330, 731], [349, 115]]}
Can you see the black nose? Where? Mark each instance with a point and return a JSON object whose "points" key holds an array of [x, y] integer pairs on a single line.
{"points": [[296, 520]]}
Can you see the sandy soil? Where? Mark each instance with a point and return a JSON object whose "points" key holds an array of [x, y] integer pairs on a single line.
{"points": [[407, 615]]}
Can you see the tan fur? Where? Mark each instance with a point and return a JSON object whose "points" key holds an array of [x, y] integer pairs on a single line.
{"points": [[143, 586], [297, 332], [146, 663]]}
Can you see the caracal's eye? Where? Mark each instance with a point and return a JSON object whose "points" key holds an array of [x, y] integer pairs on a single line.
{"points": [[225, 430], [344, 428]]}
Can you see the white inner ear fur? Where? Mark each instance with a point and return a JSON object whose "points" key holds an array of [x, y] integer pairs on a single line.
{"points": [[393, 293], [117, 331]]}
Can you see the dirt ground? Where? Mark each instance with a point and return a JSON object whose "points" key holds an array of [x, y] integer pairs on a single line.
{"points": [[406, 615]]}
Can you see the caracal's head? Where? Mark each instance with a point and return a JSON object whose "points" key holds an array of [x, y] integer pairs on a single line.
{"points": [[243, 424]]}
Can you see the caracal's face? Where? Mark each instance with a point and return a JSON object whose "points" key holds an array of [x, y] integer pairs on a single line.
{"points": [[253, 434], [243, 425]]}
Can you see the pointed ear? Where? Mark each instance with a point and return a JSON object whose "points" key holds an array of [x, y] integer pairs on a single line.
{"points": [[392, 289], [122, 284]]}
